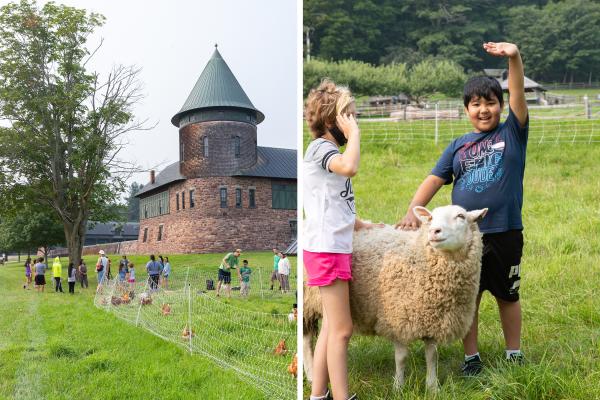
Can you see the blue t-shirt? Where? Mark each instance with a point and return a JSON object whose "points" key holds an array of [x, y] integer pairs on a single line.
{"points": [[488, 169]]}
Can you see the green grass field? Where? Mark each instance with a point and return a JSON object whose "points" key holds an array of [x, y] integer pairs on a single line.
{"points": [[559, 287], [60, 346]]}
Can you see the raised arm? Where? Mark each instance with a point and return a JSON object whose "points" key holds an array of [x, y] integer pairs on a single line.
{"points": [[516, 76], [422, 197], [347, 163]]}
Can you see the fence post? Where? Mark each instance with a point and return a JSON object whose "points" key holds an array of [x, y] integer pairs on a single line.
{"points": [[190, 313], [587, 106], [436, 123], [262, 296]]}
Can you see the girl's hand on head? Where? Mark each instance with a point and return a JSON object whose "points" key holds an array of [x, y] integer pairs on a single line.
{"points": [[410, 222], [348, 125], [501, 49]]}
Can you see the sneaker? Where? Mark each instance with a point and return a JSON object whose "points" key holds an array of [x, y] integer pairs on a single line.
{"points": [[327, 396], [472, 366], [516, 358]]}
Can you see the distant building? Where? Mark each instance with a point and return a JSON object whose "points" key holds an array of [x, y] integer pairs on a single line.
{"points": [[531, 86], [110, 232], [224, 191]]}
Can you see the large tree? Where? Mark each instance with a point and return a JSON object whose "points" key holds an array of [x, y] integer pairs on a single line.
{"points": [[66, 124]]}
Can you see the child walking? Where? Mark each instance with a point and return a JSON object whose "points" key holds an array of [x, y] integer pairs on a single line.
{"points": [[330, 221], [56, 273], [131, 279], [487, 166], [27, 273], [71, 277], [83, 274], [245, 272]]}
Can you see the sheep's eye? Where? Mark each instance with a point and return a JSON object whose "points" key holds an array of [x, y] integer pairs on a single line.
{"points": [[461, 216]]}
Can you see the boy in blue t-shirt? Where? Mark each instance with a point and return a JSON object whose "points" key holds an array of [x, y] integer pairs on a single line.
{"points": [[487, 166]]}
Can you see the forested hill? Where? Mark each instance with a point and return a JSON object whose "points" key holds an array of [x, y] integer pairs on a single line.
{"points": [[559, 40]]}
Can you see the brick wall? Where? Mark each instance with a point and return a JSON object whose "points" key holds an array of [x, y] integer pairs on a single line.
{"points": [[221, 160], [208, 228]]}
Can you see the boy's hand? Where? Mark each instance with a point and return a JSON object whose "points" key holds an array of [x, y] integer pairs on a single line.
{"points": [[347, 123], [501, 49], [410, 222]]}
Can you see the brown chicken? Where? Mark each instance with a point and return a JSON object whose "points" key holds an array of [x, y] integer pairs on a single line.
{"points": [[281, 349], [166, 309], [293, 367]]}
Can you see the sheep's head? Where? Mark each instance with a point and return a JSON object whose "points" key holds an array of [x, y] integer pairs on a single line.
{"points": [[449, 228]]}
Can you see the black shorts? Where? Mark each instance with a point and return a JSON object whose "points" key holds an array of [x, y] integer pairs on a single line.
{"points": [[501, 264], [224, 276], [40, 280]]}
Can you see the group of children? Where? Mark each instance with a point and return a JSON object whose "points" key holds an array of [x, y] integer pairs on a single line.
{"points": [[38, 273], [487, 167], [281, 272]]}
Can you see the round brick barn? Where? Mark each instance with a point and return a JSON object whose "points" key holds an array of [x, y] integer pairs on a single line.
{"points": [[225, 191]]}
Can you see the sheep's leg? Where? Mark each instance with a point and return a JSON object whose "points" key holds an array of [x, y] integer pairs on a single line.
{"points": [[308, 355], [431, 359], [401, 351]]}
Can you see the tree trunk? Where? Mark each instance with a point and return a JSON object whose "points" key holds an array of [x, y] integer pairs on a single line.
{"points": [[45, 254], [74, 233]]}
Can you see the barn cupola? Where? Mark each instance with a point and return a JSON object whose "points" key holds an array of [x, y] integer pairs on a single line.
{"points": [[217, 124]]}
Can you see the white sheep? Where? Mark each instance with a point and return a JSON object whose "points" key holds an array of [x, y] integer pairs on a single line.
{"points": [[411, 285]]}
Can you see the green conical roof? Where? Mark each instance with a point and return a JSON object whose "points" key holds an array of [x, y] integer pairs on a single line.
{"points": [[217, 87]]}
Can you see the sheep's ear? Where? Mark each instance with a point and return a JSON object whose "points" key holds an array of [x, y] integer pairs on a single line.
{"points": [[477, 215], [422, 213]]}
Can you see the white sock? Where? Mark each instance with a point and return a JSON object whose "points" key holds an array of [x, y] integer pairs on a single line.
{"points": [[467, 357], [511, 352], [318, 397]]}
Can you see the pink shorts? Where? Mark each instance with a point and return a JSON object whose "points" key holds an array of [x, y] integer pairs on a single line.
{"points": [[131, 280], [324, 268]]}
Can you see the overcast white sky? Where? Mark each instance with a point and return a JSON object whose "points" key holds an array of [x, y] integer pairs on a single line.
{"points": [[173, 40]]}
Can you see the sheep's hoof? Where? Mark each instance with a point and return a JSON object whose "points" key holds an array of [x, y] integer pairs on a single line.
{"points": [[398, 383], [433, 387]]}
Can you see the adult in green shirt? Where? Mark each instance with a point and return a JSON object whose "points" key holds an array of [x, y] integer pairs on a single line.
{"points": [[275, 273], [230, 261]]}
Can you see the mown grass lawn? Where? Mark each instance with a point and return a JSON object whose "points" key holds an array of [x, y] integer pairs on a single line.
{"points": [[59, 346], [559, 289]]}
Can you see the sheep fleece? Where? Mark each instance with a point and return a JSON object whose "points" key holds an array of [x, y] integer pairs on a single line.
{"points": [[404, 290]]}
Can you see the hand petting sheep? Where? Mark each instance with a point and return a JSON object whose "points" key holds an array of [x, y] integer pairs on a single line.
{"points": [[411, 285]]}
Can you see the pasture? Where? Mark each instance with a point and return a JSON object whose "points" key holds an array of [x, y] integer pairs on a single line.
{"points": [[55, 346], [560, 273]]}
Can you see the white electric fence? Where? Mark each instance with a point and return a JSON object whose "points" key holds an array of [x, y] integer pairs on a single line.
{"points": [[247, 334], [442, 122]]}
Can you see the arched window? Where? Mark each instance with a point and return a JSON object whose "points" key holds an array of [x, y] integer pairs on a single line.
{"points": [[205, 146]]}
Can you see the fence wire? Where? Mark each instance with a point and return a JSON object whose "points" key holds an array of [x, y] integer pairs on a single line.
{"points": [[235, 334]]}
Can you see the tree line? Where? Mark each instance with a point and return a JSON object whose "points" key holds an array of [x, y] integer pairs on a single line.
{"points": [[559, 40]]}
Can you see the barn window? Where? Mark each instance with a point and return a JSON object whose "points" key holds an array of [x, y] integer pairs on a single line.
{"points": [[160, 233], [192, 201], [251, 198], [205, 146], [145, 235], [177, 200], [183, 200], [284, 196], [237, 146], [294, 228], [238, 198], [223, 195]]}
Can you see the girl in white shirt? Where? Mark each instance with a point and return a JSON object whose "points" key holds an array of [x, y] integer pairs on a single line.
{"points": [[330, 221]]}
